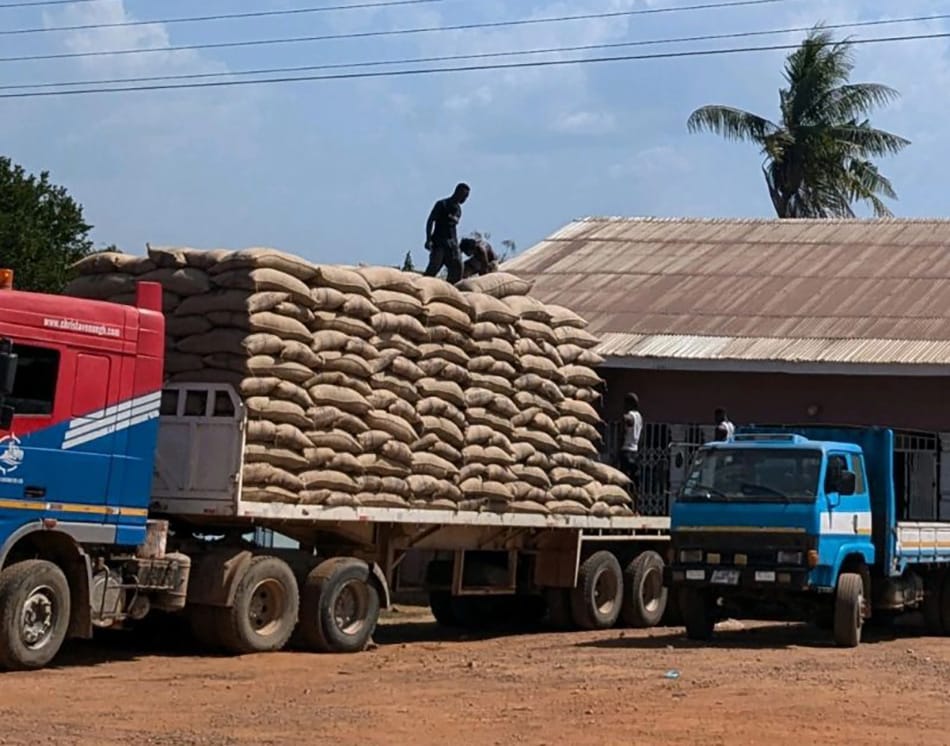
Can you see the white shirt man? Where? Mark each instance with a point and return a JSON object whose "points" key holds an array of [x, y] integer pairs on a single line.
{"points": [[630, 447]]}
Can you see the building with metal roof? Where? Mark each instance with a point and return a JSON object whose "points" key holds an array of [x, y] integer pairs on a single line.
{"points": [[780, 321]]}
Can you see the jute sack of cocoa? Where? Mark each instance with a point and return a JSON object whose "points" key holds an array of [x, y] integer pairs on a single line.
{"points": [[262, 258], [497, 284], [432, 289], [279, 435], [337, 322], [264, 280], [381, 500], [344, 279], [263, 475], [282, 458], [112, 262], [433, 406], [448, 315], [565, 335], [526, 307], [390, 278], [433, 466], [396, 302]]}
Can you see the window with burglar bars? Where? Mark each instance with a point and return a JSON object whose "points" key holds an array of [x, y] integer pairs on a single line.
{"points": [[665, 453], [917, 459]]}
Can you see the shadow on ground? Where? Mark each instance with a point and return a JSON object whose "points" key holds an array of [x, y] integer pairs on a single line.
{"points": [[755, 636]]}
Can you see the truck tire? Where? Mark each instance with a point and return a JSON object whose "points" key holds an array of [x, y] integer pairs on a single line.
{"points": [[558, 602], [339, 606], [699, 616], [264, 613], [933, 603], [596, 600], [849, 610], [440, 603], [34, 614], [204, 622], [644, 596], [945, 603]]}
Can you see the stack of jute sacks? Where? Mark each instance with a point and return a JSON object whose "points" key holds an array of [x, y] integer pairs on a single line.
{"points": [[368, 386]]}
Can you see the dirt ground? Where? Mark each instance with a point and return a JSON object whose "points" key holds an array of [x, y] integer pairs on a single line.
{"points": [[757, 683]]}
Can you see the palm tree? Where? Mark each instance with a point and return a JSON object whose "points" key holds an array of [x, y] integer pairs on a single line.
{"points": [[818, 159]]}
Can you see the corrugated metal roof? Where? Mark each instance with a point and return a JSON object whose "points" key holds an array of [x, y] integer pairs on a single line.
{"points": [[841, 291]]}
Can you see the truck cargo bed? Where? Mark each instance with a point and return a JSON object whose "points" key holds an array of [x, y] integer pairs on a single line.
{"points": [[198, 479]]}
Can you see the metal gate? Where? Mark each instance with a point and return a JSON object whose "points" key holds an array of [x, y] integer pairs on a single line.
{"points": [[916, 480], [666, 451]]}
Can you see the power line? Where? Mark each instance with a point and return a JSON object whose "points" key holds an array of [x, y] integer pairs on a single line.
{"points": [[41, 3], [474, 56], [220, 16], [396, 32], [466, 68]]}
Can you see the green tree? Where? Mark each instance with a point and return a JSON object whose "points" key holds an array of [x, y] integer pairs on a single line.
{"points": [[42, 231], [818, 158]]}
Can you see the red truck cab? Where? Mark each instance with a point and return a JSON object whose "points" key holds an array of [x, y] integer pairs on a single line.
{"points": [[77, 456]]}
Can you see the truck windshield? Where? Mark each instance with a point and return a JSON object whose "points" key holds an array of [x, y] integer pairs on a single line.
{"points": [[753, 475]]}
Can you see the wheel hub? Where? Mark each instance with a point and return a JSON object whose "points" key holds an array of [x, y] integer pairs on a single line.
{"points": [[605, 592], [652, 590], [266, 609], [36, 620], [351, 607]]}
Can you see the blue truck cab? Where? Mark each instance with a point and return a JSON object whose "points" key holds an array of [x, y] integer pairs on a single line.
{"points": [[801, 523]]}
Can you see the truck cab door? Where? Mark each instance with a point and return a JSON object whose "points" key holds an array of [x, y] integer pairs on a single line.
{"points": [[29, 451], [90, 437], [846, 515]]}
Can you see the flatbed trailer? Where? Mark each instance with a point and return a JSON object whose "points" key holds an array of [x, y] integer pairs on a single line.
{"points": [[119, 497], [483, 554]]}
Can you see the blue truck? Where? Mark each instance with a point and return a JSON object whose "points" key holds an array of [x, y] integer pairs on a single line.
{"points": [[804, 523]]}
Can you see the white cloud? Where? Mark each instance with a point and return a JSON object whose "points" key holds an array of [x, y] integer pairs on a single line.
{"points": [[585, 123], [651, 162]]}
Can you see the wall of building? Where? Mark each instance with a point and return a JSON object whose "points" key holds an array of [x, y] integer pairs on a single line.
{"points": [[905, 402]]}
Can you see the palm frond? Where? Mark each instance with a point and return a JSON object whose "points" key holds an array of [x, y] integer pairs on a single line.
{"points": [[866, 140], [733, 124], [852, 101]]}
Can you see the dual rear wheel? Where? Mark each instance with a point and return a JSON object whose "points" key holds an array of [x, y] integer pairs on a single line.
{"points": [[335, 609]]}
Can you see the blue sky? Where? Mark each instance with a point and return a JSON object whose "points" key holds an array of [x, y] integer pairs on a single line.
{"points": [[346, 171]]}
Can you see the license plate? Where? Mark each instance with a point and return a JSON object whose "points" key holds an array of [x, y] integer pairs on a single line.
{"points": [[725, 577]]}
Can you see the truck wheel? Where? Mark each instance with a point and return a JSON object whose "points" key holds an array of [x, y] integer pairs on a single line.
{"points": [[34, 614], [558, 601], [849, 610], [595, 602], [339, 606], [440, 603], [933, 603], [945, 603], [265, 608], [699, 616], [644, 596], [204, 622]]}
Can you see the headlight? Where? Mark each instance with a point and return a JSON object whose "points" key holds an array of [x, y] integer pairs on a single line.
{"points": [[789, 558], [691, 555]]}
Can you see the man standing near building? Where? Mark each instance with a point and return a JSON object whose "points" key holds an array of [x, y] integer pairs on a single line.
{"points": [[442, 241], [630, 448], [725, 430]]}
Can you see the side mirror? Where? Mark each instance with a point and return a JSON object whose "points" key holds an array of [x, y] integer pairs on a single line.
{"points": [[846, 483], [6, 417], [8, 365]]}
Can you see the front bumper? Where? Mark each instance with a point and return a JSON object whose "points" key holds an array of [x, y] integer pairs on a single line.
{"points": [[726, 579]]}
